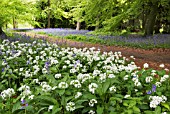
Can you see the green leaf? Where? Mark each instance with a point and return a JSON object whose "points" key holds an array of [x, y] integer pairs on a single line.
{"points": [[47, 100], [61, 92], [16, 106], [79, 106], [41, 109], [149, 112], [136, 109], [125, 103], [165, 105], [105, 86], [56, 110], [132, 103], [100, 110], [80, 101], [143, 106], [158, 110]]}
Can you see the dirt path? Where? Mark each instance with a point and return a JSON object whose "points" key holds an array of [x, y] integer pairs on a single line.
{"points": [[153, 57]]}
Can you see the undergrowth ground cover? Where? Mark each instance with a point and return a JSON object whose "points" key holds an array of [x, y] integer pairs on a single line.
{"points": [[131, 40], [39, 77]]}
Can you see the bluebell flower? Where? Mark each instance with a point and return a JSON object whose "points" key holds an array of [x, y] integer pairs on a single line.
{"points": [[28, 62], [153, 88], [3, 69], [149, 92]]}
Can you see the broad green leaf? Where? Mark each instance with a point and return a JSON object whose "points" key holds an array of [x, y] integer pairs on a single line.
{"points": [[106, 86], [165, 105], [136, 109], [100, 110], [56, 110], [158, 110], [16, 106], [79, 106], [143, 106], [80, 101]]}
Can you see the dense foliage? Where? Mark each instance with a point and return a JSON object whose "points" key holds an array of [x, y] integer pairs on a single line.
{"points": [[146, 16], [39, 77]]}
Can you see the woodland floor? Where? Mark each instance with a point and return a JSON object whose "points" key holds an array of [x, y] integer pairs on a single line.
{"points": [[153, 57]]}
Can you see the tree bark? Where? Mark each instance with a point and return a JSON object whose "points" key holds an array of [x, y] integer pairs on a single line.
{"points": [[14, 23], [78, 25], [97, 23], [150, 21], [49, 14], [2, 33]]}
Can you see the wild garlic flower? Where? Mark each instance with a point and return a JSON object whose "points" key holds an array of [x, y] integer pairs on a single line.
{"points": [[70, 106], [91, 112], [156, 100], [92, 102], [93, 87], [161, 65], [149, 79], [164, 78], [7, 93], [112, 89], [50, 107], [46, 88], [78, 94], [125, 77], [75, 83], [111, 76], [57, 75], [63, 85], [126, 96], [146, 65], [31, 97], [158, 84]]}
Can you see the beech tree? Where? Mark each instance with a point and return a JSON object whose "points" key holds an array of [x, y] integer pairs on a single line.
{"points": [[12, 10]]}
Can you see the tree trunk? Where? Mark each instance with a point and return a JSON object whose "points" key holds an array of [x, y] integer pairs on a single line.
{"points": [[2, 33], [49, 14], [97, 23], [78, 24], [150, 22], [14, 23]]}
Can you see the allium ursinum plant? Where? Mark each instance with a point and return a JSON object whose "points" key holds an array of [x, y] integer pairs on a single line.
{"points": [[44, 78]]}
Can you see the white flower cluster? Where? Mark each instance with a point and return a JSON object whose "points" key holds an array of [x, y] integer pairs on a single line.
{"points": [[7, 93], [156, 100], [76, 83], [78, 94], [92, 102], [25, 91], [91, 112], [148, 79], [70, 106], [164, 78], [112, 89], [63, 85], [93, 87], [135, 79]]}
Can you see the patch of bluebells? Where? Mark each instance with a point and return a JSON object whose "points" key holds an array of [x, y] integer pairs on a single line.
{"points": [[155, 40]]}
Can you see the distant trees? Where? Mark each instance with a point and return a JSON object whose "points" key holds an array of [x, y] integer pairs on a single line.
{"points": [[147, 16], [13, 11]]}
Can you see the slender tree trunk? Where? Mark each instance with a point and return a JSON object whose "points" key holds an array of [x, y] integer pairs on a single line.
{"points": [[49, 14], [151, 18], [14, 23], [78, 25], [97, 23]]}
